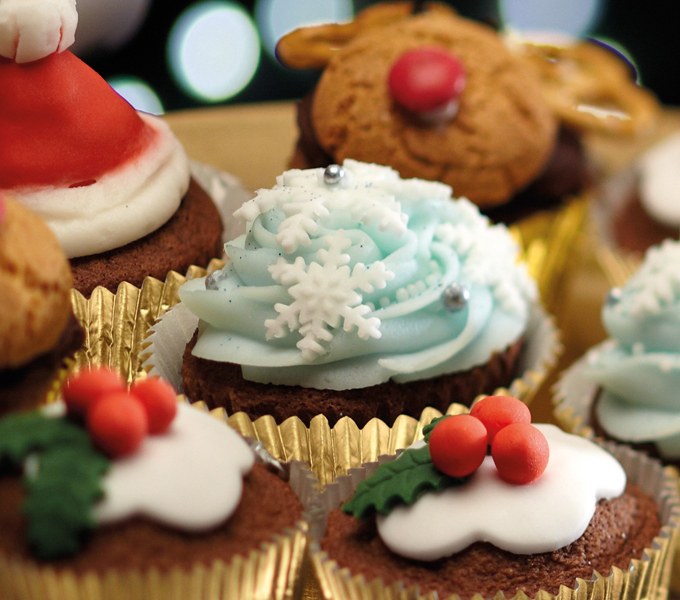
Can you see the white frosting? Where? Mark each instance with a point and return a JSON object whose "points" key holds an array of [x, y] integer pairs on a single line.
{"points": [[546, 515], [189, 478], [659, 171], [33, 29], [123, 206]]}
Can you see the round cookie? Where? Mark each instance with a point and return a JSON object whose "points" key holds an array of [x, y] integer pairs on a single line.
{"points": [[35, 279], [497, 143]]}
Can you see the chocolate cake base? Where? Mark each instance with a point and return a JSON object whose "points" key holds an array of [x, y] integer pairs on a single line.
{"points": [[222, 385], [268, 506], [192, 236], [634, 230], [24, 388], [619, 531]]}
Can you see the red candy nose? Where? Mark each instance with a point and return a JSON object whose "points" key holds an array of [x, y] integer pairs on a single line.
{"points": [[426, 79]]}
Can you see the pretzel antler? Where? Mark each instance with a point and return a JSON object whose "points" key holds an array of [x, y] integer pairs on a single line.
{"points": [[590, 88], [312, 47]]}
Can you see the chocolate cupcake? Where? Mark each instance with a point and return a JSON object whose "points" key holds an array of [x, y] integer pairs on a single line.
{"points": [[625, 387], [113, 184], [357, 293], [187, 506], [38, 330], [596, 519], [638, 207]]}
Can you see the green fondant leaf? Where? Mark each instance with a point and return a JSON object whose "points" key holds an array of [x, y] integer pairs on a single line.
{"points": [[402, 480], [62, 483], [24, 433]]}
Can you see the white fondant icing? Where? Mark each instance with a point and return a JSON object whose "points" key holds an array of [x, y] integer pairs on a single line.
{"points": [[189, 478], [33, 29], [659, 171], [123, 205], [543, 516]]}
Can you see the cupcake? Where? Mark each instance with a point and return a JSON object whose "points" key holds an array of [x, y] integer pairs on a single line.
{"points": [[129, 494], [38, 330], [357, 293], [445, 518], [112, 183], [625, 387], [638, 208], [441, 97]]}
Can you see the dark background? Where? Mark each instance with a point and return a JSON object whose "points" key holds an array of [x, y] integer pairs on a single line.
{"points": [[648, 30]]}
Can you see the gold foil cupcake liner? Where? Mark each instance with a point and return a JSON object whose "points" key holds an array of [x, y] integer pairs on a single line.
{"points": [[163, 357], [573, 398], [646, 577], [546, 239], [273, 571]]}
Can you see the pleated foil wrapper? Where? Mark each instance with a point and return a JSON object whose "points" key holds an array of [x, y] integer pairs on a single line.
{"points": [[168, 337], [547, 239], [646, 577], [274, 571], [573, 398]]}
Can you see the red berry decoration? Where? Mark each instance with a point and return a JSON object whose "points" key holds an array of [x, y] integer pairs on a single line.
{"points": [[520, 452], [159, 400], [117, 424], [458, 445], [497, 412], [424, 79], [87, 387]]}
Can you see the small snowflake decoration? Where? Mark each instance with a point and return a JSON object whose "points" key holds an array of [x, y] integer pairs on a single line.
{"points": [[326, 293], [657, 283], [306, 201]]}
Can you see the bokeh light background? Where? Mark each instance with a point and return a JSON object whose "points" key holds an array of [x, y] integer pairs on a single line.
{"points": [[173, 54]]}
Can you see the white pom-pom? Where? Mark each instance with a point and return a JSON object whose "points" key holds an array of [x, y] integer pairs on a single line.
{"points": [[33, 29]]}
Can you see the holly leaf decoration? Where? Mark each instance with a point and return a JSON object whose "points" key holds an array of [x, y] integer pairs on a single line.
{"points": [[62, 479], [402, 480], [24, 433]]}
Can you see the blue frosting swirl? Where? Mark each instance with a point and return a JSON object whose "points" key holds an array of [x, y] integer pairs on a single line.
{"points": [[349, 282], [638, 368]]}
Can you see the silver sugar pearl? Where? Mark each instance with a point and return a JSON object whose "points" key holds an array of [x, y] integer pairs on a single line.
{"points": [[332, 174], [212, 280], [613, 296], [455, 297]]}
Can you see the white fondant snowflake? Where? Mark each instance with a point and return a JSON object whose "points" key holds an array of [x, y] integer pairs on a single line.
{"points": [[657, 283], [326, 293]]}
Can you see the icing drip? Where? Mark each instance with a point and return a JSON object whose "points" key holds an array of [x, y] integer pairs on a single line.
{"points": [[638, 367], [189, 478], [523, 519], [659, 174], [347, 284]]}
